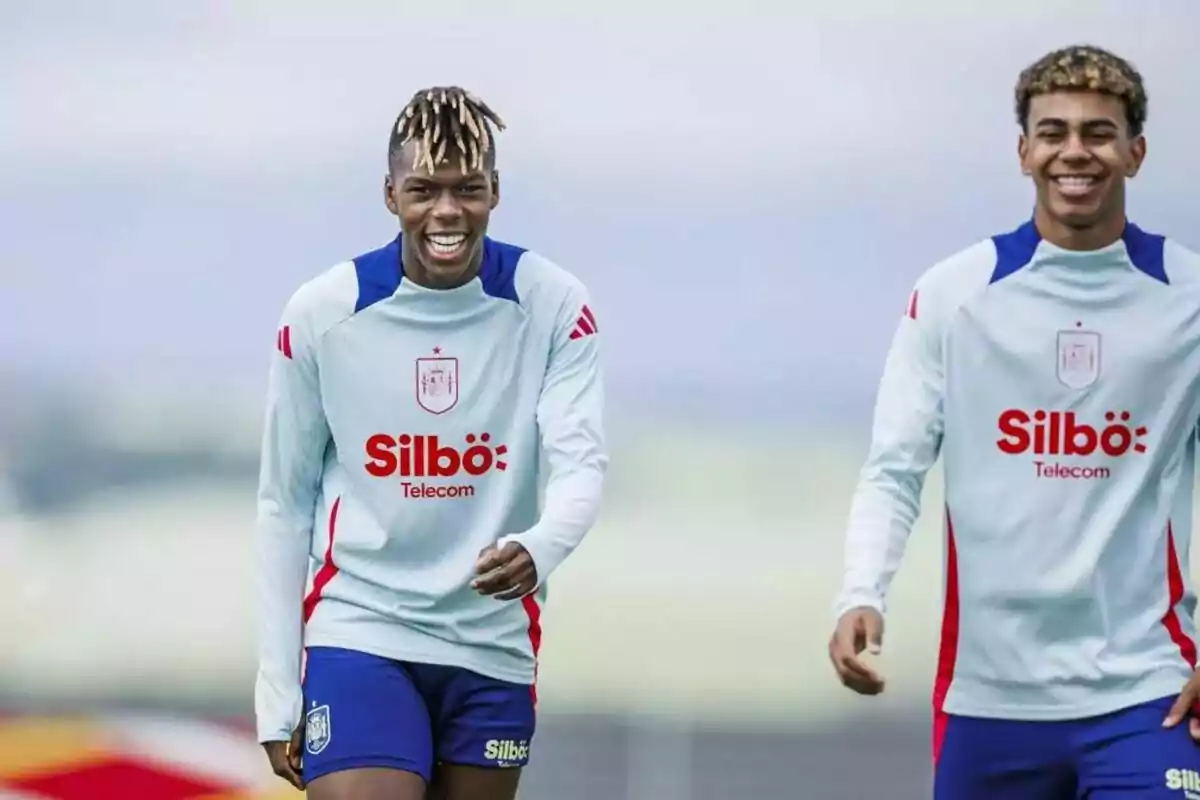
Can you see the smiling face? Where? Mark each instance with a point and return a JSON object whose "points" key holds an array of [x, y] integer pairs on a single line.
{"points": [[442, 184], [1079, 151], [1082, 112], [443, 216]]}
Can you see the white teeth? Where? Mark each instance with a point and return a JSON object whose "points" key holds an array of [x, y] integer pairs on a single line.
{"points": [[445, 243], [1075, 181]]}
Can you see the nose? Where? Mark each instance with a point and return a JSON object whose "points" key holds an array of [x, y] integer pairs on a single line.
{"points": [[1074, 150], [447, 207]]}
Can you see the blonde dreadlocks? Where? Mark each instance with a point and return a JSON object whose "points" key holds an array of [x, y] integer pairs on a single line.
{"points": [[436, 119]]}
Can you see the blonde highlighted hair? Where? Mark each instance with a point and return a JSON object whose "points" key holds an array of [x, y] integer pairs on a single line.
{"points": [[1084, 68], [446, 122]]}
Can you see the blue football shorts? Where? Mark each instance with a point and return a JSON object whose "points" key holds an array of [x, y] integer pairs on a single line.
{"points": [[362, 710], [1125, 755]]}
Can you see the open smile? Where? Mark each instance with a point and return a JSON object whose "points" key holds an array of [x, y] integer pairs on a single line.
{"points": [[1075, 185], [446, 245]]}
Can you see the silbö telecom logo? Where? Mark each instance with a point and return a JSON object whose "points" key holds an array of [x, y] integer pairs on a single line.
{"points": [[1061, 433]]}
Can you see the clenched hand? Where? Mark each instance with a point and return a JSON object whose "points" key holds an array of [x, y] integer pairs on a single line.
{"points": [[507, 572], [285, 758], [858, 629]]}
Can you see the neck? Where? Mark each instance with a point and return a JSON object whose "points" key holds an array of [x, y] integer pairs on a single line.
{"points": [[415, 271], [1094, 237]]}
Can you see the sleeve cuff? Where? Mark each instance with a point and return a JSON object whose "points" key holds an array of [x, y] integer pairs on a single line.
{"points": [[852, 600]]}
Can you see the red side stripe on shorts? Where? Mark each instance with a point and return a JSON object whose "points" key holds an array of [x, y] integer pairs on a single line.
{"points": [[328, 568]]}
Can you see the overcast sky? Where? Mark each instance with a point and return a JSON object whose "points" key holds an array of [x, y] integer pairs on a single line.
{"points": [[749, 194]]}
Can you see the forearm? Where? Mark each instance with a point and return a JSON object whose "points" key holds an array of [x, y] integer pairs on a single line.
{"points": [[570, 509], [884, 509], [282, 552]]}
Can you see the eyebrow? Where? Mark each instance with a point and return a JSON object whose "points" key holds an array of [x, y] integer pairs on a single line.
{"points": [[424, 180], [1055, 122]]}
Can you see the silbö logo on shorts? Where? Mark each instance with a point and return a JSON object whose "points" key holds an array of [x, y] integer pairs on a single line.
{"points": [[506, 752]]}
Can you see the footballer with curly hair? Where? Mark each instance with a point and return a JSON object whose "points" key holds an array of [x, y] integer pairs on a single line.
{"points": [[1055, 369]]}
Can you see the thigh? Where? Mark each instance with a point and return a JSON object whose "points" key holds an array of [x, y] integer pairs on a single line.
{"points": [[362, 712], [483, 731], [986, 759], [368, 783], [1129, 755], [460, 782]]}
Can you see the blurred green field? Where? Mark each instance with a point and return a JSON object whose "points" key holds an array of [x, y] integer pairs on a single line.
{"points": [[704, 592]]}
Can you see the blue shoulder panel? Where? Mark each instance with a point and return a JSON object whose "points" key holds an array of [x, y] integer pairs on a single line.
{"points": [[1146, 251], [1014, 250], [499, 270], [379, 273]]}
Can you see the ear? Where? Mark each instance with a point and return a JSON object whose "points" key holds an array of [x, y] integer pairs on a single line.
{"points": [[1137, 153], [1023, 155], [495, 189], [389, 195]]}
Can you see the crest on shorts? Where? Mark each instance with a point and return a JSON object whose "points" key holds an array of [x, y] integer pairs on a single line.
{"points": [[1078, 364], [317, 731], [437, 382]]}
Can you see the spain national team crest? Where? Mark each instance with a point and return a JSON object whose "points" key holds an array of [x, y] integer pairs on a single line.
{"points": [[1078, 364], [437, 382], [317, 730]]}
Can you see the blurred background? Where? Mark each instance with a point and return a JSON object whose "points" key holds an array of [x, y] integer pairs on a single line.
{"points": [[749, 194]]}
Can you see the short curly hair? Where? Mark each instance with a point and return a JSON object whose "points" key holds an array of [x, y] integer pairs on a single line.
{"points": [[1084, 68]]}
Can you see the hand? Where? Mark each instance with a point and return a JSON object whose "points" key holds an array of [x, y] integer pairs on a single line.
{"points": [[1187, 706], [858, 629], [285, 758], [507, 572]]}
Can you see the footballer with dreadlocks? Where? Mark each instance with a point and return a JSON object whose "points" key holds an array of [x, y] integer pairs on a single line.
{"points": [[443, 141], [433, 450], [1056, 369]]}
